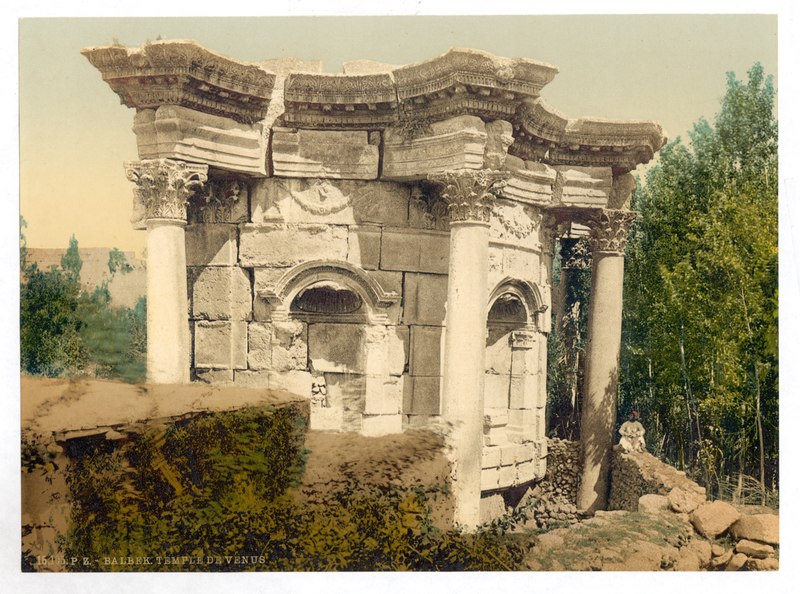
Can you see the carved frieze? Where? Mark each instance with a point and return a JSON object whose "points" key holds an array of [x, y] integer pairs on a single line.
{"points": [[220, 201], [321, 197], [163, 186], [516, 222], [324, 198], [330, 201], [184, 73], [470, 193], [609, 230]]}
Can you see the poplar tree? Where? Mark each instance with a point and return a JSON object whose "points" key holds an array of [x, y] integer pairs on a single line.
{"points": [[700, 356]]}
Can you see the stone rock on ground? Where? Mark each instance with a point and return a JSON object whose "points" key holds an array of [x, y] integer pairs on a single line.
{"points": [[768, 564], [736, 562], [722, 560], [713, 519], [694, 556], [684, 500], [646, 556], [653, 504], [701, 549], [717, 550], [754, 549], [760, 527]]}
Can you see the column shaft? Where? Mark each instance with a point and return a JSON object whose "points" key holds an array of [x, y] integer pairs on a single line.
{"points": [[163, 188], [463, 364], [598, 413], [168, 337], [469, 195], [609, 235]]}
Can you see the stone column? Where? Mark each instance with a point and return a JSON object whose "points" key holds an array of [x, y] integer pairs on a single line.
{"points": [[163, 187], [469, 197], [609, 232]]}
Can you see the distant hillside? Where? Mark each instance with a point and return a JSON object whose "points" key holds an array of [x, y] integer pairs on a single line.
{"points": [[125, 289]]}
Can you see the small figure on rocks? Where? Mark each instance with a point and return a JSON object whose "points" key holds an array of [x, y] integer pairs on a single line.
{"points": [[632, 434]]}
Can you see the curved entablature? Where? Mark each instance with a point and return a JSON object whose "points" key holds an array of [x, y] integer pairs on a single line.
{"points": [[468, 81], [460, 81], [405, 102], [528, 294], [543, 134], [338, 99], [300, 277], [184, 73]]}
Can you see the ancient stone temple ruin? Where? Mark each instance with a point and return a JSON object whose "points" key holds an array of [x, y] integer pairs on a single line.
{"points": [[379, 241]]}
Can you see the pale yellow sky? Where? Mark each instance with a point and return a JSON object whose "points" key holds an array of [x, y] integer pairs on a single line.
{"points": [[75, 135]]}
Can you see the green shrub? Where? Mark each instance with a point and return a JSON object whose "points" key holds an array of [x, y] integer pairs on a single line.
{"points": [[221, 488], [67, 331]]}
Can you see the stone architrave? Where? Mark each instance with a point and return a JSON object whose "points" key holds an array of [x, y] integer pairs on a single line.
{"points": [[609, 232], [163, 189], [469, 195]]}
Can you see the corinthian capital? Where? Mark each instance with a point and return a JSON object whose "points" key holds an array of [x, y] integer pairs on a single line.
{"points": [[609, 230], [164, 186], [469, 193]]}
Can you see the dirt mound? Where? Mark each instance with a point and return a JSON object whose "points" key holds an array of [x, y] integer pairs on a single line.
{"points": [[341, 461]]}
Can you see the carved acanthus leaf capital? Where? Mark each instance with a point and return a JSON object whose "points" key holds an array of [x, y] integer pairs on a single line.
{"points": [[469, 193], [164, 186], [217, 202], [609, 230]]}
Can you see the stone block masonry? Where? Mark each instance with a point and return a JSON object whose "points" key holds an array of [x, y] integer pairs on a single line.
{"points": [[367, 239]]}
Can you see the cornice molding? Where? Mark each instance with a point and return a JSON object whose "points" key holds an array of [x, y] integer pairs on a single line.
{"points": [[338, 99], [544, 134], [182, 72], [460, 82]]}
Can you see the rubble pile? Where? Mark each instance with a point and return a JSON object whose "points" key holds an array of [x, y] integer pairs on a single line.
{"points": [[551, 502]]}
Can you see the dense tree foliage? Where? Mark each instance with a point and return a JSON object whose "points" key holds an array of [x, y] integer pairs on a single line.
{"points": [[700, 355], [65, 330]]}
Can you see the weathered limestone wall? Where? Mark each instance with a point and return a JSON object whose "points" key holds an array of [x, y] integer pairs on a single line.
{"points": [[639, 473], [392, 236], [550, 501]]}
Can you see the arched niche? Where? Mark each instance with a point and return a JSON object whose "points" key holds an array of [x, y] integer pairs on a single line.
{"points": [[511, 381], [341, 311], [527, 294], [328, 278]]}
